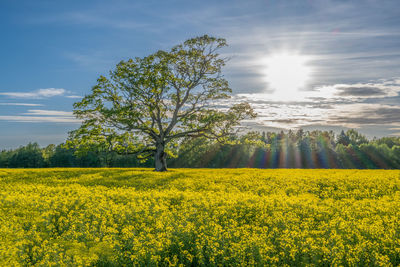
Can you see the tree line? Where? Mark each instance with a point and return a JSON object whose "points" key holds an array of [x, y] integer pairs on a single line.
{"points": [[292, 149]]}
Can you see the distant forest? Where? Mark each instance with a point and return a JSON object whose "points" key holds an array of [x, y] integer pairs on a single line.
{"points": [[293, 149]]}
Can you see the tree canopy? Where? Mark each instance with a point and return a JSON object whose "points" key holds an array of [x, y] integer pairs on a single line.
{"points": [[148, 104]]}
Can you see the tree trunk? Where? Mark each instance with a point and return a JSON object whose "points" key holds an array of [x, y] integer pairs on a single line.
{"points": [[160, 158]]}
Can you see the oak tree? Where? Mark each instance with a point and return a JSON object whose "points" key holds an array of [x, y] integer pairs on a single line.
{"points": [[148, 104]]}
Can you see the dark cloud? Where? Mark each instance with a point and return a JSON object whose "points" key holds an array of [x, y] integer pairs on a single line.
{"points": [[381, 115], [363, 91], [286, 121], [259, 126]]}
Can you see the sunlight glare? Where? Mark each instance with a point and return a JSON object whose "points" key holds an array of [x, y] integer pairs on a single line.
{"points": [[286, 73]]}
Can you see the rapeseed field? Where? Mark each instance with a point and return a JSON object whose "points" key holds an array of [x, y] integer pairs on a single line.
{"points": [[125, 217]]}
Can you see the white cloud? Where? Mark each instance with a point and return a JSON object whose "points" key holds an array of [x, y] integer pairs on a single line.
{"points": [[38, 115], [73, 96], [42, 112], [39, 119], [37, 94], [21, 104]]}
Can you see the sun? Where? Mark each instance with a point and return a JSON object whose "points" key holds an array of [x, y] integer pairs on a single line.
{"points": [[286, 73]]}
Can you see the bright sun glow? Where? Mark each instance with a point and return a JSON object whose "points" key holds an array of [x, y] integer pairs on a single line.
{"points": [[286, 73]]}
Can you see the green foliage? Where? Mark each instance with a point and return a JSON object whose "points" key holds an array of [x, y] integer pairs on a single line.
{"points": [[202, 217], [28, 156]]}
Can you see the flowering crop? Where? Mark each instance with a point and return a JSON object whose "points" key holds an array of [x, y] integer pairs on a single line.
{"points": [[114, 217]]}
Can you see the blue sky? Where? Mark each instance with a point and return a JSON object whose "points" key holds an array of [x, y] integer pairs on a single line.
{"points": [[52, 52]]}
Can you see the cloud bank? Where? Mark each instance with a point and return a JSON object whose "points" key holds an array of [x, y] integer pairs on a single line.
{"points": [[358, 105]]}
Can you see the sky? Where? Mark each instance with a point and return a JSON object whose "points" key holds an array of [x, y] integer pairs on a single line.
{"points": [[312, 64]]}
